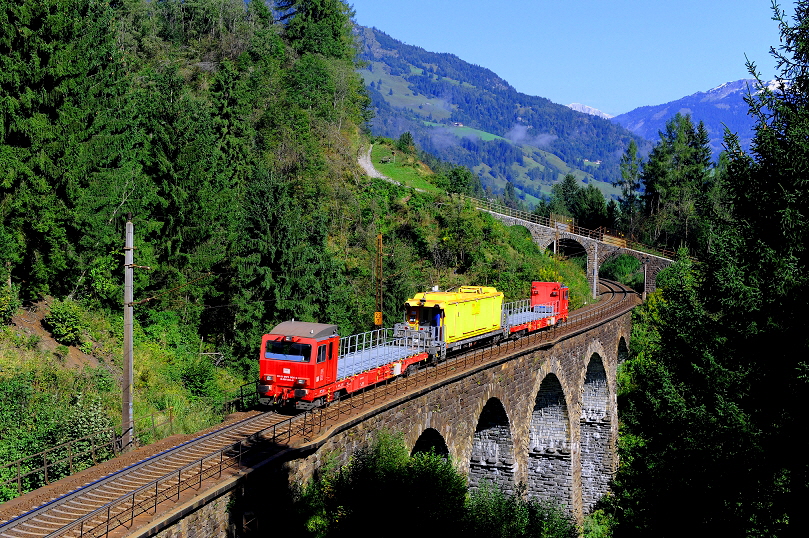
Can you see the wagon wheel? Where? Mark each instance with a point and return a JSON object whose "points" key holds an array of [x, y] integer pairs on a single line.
{"points": [[410, 370]]}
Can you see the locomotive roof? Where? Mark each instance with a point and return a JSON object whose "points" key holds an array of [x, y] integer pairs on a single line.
{"points": [[463, 294], [305, 329]]}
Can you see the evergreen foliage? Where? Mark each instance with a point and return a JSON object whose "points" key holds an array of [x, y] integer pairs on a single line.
{"points": [[362, 492], [712, 394]]}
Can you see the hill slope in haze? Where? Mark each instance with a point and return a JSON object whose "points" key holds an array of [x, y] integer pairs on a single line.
{"points": [[467, 115], [719, 107]]}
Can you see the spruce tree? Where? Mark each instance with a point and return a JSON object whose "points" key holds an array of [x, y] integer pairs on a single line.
{"points": [[713, 394]]}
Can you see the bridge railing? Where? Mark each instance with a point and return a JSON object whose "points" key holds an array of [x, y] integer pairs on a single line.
{"points": [[307, 425], [598, 235], [47, 466]]}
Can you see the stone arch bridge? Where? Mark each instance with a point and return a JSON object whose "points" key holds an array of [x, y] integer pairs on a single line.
{"points": [[544, 417], [598, 251]]}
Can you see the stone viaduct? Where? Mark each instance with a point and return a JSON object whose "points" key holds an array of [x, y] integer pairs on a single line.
{"points": [[597, 251], [544, 418]]}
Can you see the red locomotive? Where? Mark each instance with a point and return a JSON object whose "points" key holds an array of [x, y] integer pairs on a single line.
{"points": [[308, 364]]}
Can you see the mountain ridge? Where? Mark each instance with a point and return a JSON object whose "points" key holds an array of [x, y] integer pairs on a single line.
{"points": [[468, 115], [720, 107]]}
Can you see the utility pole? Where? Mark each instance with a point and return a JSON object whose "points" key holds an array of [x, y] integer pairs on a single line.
{"points": [[595, 272], [127, 422], [378, 313]]}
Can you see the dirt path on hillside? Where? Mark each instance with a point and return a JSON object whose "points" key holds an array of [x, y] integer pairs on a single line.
{"points": [[29, 321], [367, 165]]}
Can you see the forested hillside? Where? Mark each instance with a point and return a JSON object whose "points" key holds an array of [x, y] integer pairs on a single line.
{"points": [[230, 132], [468, 115], [711, 400]]}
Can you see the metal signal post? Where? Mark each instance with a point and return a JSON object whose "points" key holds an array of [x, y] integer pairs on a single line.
{"points": [[378, 313]]}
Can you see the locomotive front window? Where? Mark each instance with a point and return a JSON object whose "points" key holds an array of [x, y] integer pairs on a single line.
{"points": [[287, 351]]}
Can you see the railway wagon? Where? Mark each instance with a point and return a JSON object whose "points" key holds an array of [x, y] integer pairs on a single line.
{"points": [[450, 319], [309, 364], [548, 305]]}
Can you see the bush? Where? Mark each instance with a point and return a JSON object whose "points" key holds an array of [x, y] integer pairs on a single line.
{"points": [[66, 322], [490, 513], [379, 478], [9, 303]]}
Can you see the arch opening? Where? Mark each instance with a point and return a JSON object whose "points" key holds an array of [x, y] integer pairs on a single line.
{"points": [[623, 351], [492, 456], [624, 268], [430, 441], [596, 434], [549, 461], [570, 249]]}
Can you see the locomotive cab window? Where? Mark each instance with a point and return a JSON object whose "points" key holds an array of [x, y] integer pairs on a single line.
{"points": [[430, 317], [287, 351], [321, 353]]}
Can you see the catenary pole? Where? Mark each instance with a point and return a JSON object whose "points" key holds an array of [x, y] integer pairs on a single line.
{"points": [[127, 423]]}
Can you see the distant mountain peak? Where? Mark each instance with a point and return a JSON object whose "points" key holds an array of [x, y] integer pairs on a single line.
{"points": [[578, 107], [720, 107]]}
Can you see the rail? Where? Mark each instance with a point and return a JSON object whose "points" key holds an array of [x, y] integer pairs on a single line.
{"points": [[309, 424], [47, 466]]}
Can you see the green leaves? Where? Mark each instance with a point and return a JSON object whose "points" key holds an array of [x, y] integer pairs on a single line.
{"points": [[66, 322], [360, 494]]}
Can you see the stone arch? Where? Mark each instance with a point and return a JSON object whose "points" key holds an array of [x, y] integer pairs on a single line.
{"points": [[492, 455], [596, 433], [549, 459], [654, 264], [431, 440]]}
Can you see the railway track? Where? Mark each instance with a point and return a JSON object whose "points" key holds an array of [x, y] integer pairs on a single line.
{"points": [[111, 504]]}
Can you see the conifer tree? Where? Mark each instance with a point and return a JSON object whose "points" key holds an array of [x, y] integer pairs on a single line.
{"points": [[718, 375], [57, 74], [630, 189]]}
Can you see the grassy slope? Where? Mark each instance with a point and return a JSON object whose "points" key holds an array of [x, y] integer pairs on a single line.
{"points": [[405, 169]]}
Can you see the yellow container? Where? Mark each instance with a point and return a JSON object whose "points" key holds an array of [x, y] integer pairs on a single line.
{"points": [[469, 311]]}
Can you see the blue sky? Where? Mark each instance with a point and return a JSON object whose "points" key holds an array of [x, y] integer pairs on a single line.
{"points": [[614, 55]]}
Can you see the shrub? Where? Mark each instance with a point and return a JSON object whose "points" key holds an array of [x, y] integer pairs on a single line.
{"points": [[61, 352], [9, 303], [66, 322]]}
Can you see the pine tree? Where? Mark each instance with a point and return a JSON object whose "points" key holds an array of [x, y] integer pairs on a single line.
{"points": [[630, 190], [673, 177], [58, 78]]}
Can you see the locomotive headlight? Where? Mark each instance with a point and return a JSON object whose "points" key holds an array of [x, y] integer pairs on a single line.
{"points": [[268, 378], [300, 382]]}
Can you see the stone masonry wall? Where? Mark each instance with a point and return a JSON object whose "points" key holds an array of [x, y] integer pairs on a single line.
{"points": [[596, 453], [493, 450]]}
